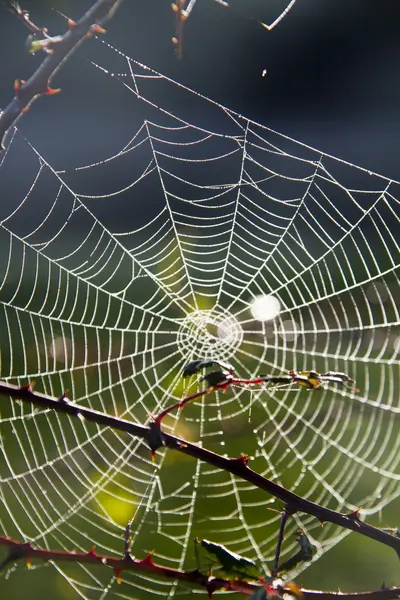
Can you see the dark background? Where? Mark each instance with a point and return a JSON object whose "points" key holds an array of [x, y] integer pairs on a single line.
{"points": [[332, 66]]}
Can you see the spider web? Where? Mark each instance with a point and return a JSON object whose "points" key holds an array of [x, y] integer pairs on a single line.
{"points": [[119, 269]]}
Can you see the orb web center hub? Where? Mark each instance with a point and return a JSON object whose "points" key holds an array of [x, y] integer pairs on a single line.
{"points": [[215, 334]]}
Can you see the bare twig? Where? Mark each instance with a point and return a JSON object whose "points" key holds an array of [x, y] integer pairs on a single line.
{"points": [[58, 50], [23, 15], [237, 466]]}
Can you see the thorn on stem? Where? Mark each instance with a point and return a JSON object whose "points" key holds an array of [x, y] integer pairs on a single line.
{"points": [[97, 29], [355, 515], [63, 397], [18, 83], [28, 388], [147, 560], [242, 460], [51, 91], [117, 575]]}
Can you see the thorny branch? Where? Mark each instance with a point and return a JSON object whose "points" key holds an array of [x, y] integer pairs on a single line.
{"points": [[24, 550], [57, 51], [156, 438]]}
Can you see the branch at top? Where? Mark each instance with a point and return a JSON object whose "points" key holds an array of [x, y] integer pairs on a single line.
{"points": [[156, 438], [58, 49]]}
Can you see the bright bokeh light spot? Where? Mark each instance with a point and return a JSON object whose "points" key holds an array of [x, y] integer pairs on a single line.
{"points": [[265, 308], [117, 508]]}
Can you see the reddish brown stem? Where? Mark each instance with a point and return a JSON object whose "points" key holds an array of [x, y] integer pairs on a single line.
{"points": [[158, 418], [22, 550], [220, 386], [18, 550], [247, 381]]}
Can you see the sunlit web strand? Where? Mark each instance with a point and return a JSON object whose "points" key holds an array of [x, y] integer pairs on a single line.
{"points": [[108, 233]]}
